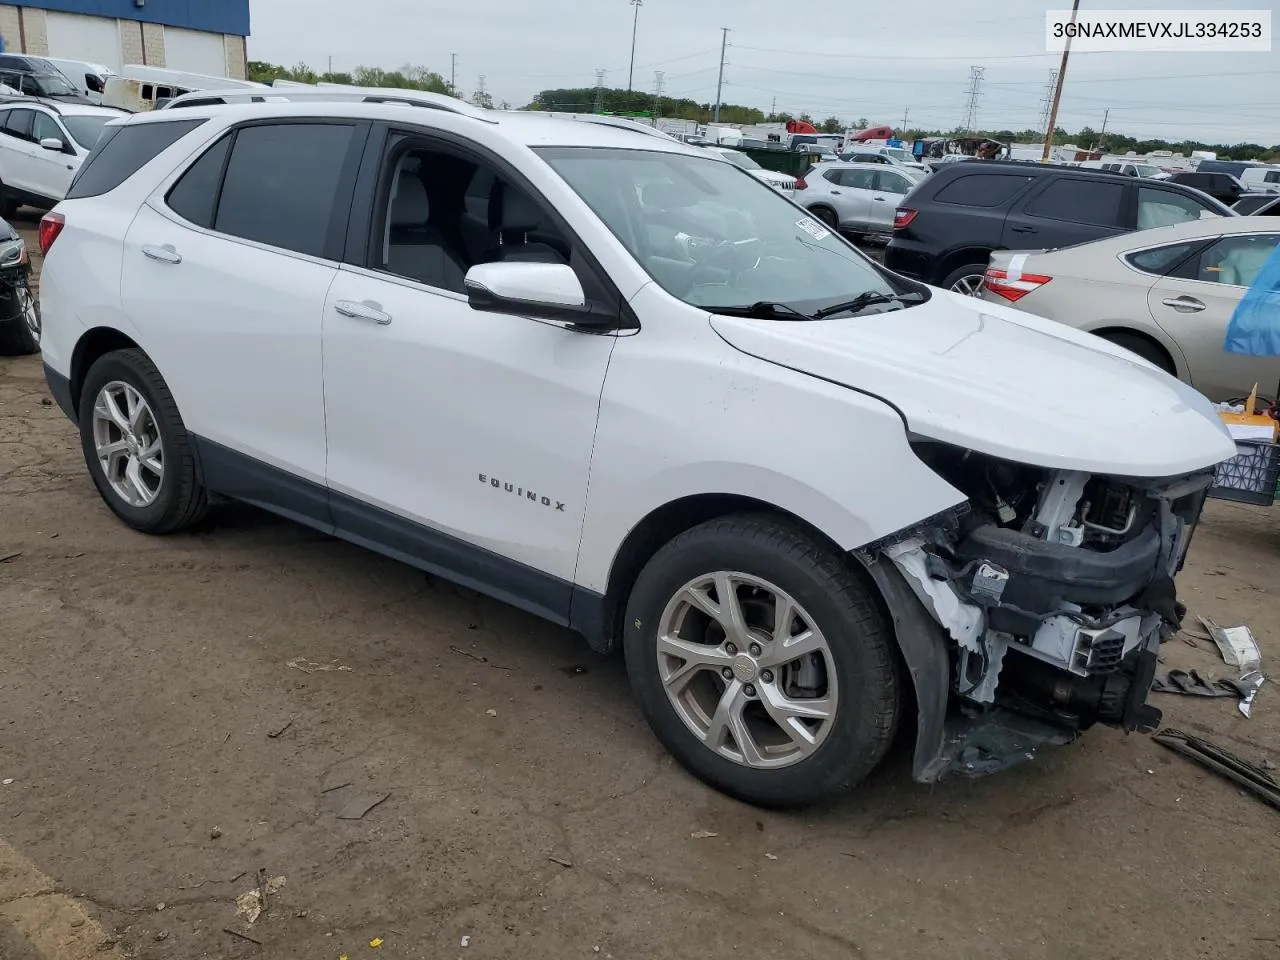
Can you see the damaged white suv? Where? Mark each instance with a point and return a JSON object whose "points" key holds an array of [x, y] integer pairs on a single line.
{"points": [[622, 384]]}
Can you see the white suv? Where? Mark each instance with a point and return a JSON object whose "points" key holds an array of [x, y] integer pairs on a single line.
{"points": [[622, 384], [42, 145]]}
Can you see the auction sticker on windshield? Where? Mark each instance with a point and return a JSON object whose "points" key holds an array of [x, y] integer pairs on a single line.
{"points": [[813, 228]]}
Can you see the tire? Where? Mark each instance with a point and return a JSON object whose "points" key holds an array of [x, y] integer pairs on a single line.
{"points": [[21, 337], [1153, 353], [178, 498], [859, 656], [827, 216], [8, 206], [967, 274]]}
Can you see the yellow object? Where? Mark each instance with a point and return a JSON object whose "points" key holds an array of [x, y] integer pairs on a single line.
{"points": [[376, 942], [1251, 419]]}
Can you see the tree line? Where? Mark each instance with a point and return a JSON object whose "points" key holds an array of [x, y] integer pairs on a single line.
{"points": [[615, 100]]}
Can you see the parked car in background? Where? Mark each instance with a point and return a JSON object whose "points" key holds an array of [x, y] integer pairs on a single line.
{"points": [[1220, 186], [1261, 179], [1166, 295], [783, 182], [1257, 205], [89, 79], [889, 155], [946, 230], [232, 295], [37, 77], [42, 145], [1130, 168], [19, 312], [1235, 168], [140, 88], [857, 198]]}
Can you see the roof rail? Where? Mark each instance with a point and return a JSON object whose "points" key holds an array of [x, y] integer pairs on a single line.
{"points": [[323, 92], [24, 98], [622, 123]]}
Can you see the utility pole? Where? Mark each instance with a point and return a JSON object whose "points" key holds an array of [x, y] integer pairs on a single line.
{"points": [[975, 91], [599, 108], [331, 64], [453, 75], [635, 25], [1102, 137], [1057, 92], [659, 78], [905, 113], [724, 44], [773, 110]]}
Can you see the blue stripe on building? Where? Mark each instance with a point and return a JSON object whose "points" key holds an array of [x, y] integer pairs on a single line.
{"points": [[216, 16]]}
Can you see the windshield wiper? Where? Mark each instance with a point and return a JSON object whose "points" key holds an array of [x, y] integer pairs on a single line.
{"points": [[869, 299], [764, 309]]}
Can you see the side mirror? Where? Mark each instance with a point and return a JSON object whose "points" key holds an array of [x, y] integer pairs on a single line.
{"points": [[53, 143], [546, 291]]}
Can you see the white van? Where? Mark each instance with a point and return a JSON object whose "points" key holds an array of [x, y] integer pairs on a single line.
{"points": [[88, 78], [1261, 179], [139, 88]]}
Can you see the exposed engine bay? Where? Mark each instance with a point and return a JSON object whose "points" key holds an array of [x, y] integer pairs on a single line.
{"points": [[1055, 589]]}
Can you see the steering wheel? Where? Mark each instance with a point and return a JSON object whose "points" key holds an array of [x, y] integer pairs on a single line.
{"points": [[730, 257]]}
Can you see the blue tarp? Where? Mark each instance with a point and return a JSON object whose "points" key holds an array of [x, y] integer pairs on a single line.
{"points": [[1255, 325]]}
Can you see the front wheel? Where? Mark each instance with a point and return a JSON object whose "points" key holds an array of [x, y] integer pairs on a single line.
{"points": [[762, 661], [827, 216], [136, 447]]}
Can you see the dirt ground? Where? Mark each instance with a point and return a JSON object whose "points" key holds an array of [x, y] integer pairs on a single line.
{"points": [[179, 714]]}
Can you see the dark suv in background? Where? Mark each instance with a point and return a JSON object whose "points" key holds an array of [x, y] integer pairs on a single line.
{"points": [[1220, 186], [945, 229], [37, 78]]}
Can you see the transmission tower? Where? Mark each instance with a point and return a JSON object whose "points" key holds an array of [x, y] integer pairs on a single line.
{"points": [[481, 97], [971, 105], [600, 75], [1046, 101], [659, 81]]}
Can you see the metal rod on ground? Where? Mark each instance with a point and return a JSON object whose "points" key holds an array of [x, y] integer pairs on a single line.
{"points": [[1057, 90], [724, 43]]}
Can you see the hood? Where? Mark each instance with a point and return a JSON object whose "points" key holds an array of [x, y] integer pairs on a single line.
{"points": [[1004, 383]]}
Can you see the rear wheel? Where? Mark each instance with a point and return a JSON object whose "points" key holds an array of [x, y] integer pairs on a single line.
{"points": [[966, 280], [136, 447], [762, 661], [827, 216], [1151, 352]]}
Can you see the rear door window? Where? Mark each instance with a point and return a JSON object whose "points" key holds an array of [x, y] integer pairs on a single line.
{"points": [[281, 184], [859, 179], [981, 189], [1080, 201], [19, 124], [122, 151]]}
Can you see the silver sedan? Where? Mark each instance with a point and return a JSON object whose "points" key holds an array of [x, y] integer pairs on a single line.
{"points": [[1165, 294]]}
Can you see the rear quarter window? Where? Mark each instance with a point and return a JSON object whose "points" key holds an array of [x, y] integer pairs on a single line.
{"points": [[981, 189], [122, 151]]}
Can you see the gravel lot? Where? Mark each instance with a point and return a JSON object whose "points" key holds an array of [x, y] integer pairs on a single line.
{"points": [[180, 713]]}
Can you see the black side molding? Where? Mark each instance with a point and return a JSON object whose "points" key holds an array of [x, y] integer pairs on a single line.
{"points": [[60, 388]]}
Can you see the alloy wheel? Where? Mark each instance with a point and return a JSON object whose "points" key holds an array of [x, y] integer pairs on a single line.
{"points": [[970, 286], [30, 311], [747, 670], [127, 441]]}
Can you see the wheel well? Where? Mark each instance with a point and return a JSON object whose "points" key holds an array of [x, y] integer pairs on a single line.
{"points": [[958, 259], [1146, 338], [94, 344], [661, 527]]}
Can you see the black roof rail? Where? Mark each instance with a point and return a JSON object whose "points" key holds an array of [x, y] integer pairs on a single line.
{"points": [[24, 98]]}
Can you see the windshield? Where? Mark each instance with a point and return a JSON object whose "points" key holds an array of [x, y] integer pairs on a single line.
{"points": [[714, 236], [51, 84], [900, 155], [739, 159], [85, 130], [1147, 170]]}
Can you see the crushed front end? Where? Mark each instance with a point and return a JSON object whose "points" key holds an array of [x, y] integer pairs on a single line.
{"points": [[1053, 590]]}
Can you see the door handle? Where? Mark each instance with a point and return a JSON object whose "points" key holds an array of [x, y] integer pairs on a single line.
{"points": [[835, 191], [879, 199], [362, 311], [165, 254], [1023, 229], [1184, 304]]}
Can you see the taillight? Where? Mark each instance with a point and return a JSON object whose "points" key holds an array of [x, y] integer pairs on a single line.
{"points": [[902, 218], [800, 184], [998, 282], [51, 225]]}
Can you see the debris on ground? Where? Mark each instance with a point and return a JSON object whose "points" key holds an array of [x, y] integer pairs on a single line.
{"points": [[251, 903], [336, 786], [276, 732], [242, 936], [1250, 776], [308, 666], [357, 808], [1190, 683], [215, 833], [574, 670], [375, 943], [563, 863], [703, 835], [770, 856], [6, 557], [466, 941], [1239, 649], [491, 713]]}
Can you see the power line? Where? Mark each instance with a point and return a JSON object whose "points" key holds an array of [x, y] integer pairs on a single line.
{"points": [[975, 92]]}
